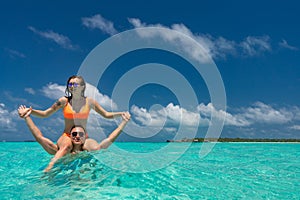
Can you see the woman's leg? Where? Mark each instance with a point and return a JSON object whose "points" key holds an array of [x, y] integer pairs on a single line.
{"points": [[65, 146]]}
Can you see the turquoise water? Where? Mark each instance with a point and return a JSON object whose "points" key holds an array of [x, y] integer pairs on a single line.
{"points": [[229, 171]]}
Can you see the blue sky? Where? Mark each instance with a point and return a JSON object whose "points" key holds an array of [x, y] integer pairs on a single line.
{"points": [[254, 44]]}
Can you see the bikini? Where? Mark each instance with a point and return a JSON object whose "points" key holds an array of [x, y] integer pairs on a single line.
{"points": [[69, 113]]}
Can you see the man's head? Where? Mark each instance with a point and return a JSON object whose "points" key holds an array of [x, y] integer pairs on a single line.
{"points": [[78, 135]]}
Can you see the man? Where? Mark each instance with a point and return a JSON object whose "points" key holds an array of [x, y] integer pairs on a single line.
{"points": [[77, 133]]}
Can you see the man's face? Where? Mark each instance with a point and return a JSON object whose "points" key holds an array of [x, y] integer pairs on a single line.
{"points": [[78, 135]]}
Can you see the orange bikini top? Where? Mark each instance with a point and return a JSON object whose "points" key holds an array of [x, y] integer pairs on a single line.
{"points": [[69, 113]]}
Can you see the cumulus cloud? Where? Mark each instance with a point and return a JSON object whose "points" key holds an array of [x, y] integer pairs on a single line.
{"points": [[99, 22], [258, 113], [6, 118], [263, 113], [154, 118], [181, 115], [59, 39], [173, 113], [53, 91], [147, 123], [232, 120]]}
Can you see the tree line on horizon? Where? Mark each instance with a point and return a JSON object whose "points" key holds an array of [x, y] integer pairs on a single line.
{"points": [[235, 140]]}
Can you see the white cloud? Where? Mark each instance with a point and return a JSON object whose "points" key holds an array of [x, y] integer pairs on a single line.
{"points": [[59, 39], [215, 47], [98, 22], [253, 46], [147, 123], [295, 127], [6, 118], [103, 100], [232, 120], [192, 48], [30, 90], [285, 45], [258, 113], [15, 53], [296, 112], [14, 99], [262, 113], [181, 115], [176, 114], [53, 91], [152, 118], [141, 115]]}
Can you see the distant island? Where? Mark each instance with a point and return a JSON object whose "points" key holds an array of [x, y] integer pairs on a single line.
{"points": [[234, 140]]}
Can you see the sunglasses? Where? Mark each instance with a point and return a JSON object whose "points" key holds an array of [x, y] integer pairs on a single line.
{"points": [[74, 134], [74, 84]]}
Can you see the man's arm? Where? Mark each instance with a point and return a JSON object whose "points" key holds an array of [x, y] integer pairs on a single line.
{"points": [[47, 144], [113, 136]]}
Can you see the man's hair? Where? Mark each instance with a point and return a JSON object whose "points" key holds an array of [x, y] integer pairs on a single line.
{"points": [[75, 126]]}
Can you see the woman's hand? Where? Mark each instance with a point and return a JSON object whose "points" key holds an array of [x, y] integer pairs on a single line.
{"points": [[126, 116], [24, 112]]}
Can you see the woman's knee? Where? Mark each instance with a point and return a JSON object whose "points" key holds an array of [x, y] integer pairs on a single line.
{"points": [[65, 144], [65, 149]]}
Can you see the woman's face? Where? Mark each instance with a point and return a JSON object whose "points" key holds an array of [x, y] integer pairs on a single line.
{"points": [[75, 86], [78, 136]]}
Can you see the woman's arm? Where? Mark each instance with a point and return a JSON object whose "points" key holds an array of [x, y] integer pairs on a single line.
{"points": [[99, 109], [46, 113]]}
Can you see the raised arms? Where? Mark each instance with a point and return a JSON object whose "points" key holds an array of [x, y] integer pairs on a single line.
{"points": [[113, 136]]}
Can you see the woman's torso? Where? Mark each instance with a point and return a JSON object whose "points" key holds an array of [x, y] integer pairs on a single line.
{"points": [[76, 114]]}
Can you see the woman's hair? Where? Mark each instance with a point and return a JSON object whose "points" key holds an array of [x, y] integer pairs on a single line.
{"points": [[82, 83]]}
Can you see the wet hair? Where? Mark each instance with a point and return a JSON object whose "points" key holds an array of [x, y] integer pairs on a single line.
{"points": [[82, 83], [75, 126]]}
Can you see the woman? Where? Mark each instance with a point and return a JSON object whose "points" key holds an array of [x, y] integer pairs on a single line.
{"points": [[78, 135], [76, 108]]}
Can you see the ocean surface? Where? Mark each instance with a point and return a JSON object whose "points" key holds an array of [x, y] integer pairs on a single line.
{"points": [[153, 171]]}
